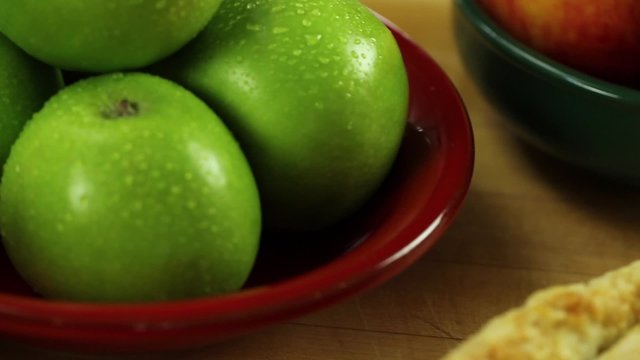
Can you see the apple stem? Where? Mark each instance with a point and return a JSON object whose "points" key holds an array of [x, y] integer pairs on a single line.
{"points": [[123, 108]]}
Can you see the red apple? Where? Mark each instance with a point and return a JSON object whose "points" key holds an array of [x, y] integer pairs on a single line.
{"points": [[599, 37]]}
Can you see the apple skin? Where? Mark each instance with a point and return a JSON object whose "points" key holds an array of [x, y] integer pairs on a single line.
{"points": [[102, 36], [25, 85], [316, 95], [106, 201], [601, 38]]}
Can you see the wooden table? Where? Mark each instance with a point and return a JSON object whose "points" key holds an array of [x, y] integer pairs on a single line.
{"points": [[528, 222]]}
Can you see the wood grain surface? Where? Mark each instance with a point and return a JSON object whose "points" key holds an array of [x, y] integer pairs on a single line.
{"points": [[528, 222]]}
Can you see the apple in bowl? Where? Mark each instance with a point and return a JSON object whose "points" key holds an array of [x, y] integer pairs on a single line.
{"points": [[95, 146], [601, 38]]}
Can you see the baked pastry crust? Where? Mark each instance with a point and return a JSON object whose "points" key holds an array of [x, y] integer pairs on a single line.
{"points": [[570, 322], [626, 349]]}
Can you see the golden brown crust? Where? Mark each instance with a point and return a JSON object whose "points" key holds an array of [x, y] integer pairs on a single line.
{"points": [[571, 322], [628, 348]]}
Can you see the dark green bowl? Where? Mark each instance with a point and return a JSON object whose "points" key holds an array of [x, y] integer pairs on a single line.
{"points": [[575, 117]]}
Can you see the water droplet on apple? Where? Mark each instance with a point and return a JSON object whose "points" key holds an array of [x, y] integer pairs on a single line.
{"points": [[277, 9], [161, 4], [254, 27], [129, 180], [313, 39], [280, 30]]}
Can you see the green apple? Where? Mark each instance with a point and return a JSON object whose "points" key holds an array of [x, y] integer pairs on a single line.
{"points": [[128, 188], [103, 35], [25, 85], [316, 93]]}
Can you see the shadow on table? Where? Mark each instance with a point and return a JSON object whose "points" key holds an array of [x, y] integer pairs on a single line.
{"points": [[225, 350], [618, 202], [14, 351]]}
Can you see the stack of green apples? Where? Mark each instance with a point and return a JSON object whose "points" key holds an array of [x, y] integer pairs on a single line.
{"points": [[196, 123]]}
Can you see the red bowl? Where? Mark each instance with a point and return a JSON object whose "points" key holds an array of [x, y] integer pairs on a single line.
{"points": [[407, 216]]}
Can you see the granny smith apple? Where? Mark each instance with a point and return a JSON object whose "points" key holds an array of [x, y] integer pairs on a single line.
{"points": [[128, 188], [103, 35], [25, 85], [316, 93]]}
